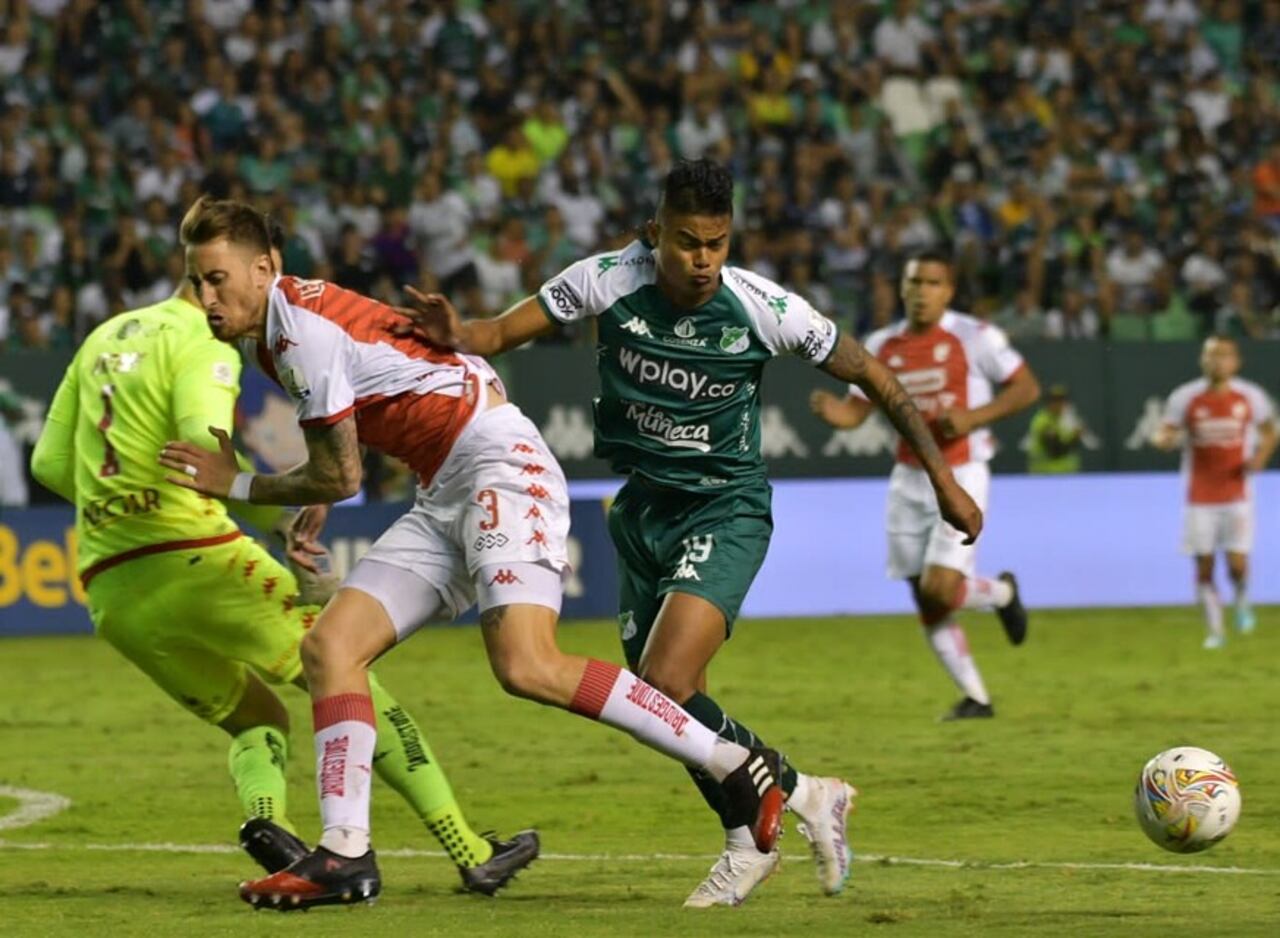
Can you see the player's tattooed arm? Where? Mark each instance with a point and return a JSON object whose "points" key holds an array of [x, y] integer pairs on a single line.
{"points": [[331, 473], [850, 362]]}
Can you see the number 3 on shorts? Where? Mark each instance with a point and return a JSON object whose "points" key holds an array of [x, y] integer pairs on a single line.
{"points": [[488, 500]]}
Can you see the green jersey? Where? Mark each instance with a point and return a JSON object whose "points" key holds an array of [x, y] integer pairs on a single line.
{"points": [[680, 388], [139, 380]]}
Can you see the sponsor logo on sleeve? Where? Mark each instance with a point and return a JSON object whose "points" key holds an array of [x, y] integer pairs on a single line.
{"points": [[224, 374], [566, 300]]}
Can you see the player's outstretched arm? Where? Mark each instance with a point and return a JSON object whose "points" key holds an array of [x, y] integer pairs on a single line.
{"points": [[53, 462], [1018, 393], [435, 319], [1268, 439], [844, 413], [850, 362], [1166, 437], [331, 472]]}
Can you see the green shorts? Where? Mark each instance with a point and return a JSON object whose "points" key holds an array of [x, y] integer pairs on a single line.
{"points": [[671, 541], [195, 621]]}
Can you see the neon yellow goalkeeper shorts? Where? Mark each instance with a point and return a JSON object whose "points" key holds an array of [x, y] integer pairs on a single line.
{"points": [[195, 621]]}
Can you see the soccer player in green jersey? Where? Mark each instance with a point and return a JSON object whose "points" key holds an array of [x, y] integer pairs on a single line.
{"points": [[205, 612], [683, 341]]}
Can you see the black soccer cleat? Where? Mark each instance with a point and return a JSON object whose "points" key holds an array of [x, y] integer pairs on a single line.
{"points": [[322, 877], [969, 709], [272, 847], [1013, 616], [509, 858], [755, 797]]}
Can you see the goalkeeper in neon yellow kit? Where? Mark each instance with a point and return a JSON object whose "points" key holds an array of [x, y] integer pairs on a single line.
{"points": [[203, 610]]}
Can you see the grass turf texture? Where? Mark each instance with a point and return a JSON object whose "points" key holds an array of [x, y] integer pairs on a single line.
{"points": [[1080, 708]]}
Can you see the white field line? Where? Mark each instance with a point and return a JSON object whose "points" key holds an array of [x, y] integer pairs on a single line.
{"points": [[691, 857], [32, 806], [35, 806]]}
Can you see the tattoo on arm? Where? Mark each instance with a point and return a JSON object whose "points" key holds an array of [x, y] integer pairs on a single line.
{"points": [[850, 362], [331, 473]]}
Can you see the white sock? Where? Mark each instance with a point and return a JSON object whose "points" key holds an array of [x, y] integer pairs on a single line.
{"points": [[1208, 595], [345, 738], [738, 839], [802, 799], [616, 697], [952, 648], [982, 592]]}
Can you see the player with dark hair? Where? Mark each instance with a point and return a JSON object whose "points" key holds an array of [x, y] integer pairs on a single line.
{"points": [[949, 363], [1226, 428], [221, 619], [489, 524], [683, 341]]}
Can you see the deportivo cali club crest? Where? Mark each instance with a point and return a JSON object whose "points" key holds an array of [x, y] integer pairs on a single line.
{"points": [[734, 339]]}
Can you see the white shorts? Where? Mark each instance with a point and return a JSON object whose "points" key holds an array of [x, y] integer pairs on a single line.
{"points": [[1208, 529], [918, 537], [493, 523]]}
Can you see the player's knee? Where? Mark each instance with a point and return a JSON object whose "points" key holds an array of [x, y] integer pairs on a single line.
{"points": [[670, 680], [528, 678]]}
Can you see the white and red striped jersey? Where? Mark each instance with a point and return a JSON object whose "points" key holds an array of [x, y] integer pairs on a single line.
{"points": [[1220, 429], [953, 365], [334, 354]]}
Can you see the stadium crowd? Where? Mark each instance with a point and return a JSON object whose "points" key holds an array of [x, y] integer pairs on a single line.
{"points": [[1098, 167]]}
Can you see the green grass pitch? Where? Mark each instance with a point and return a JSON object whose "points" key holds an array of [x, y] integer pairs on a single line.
{"points": [[1030, 812]]}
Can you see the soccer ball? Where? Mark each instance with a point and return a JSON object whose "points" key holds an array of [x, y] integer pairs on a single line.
{"points": [[1187, 799]]}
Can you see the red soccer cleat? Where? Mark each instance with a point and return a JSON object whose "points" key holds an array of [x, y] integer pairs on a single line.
{"points": [[322, 877]]}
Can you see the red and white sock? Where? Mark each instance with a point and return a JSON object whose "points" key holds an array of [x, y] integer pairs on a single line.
{"points": [[951, 646], [1208, 594], [616, 697], [980, 592], [345, 738]]}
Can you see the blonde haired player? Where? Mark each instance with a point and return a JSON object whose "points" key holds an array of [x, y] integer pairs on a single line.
{"points": [[949, 363], [220, 619], [488, 526], [1226, 428]]}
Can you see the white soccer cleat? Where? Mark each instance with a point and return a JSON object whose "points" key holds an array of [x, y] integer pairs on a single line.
{"points": [[827, 833], [738, 871], [1213, 642]]}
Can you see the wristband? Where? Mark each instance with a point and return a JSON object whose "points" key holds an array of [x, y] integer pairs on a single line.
{"points": [[240, 486]]}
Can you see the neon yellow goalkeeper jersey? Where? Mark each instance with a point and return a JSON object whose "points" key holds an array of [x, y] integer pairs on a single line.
{"points": [[139, 380]]}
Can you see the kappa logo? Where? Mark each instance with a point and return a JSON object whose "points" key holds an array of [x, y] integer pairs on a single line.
{"points": [[282, 344], [505, 578], [532, 469], [538, 538], [523, 448], [537, 491], [779, 306], [269, 585], [637, 326], [606, 263], [734, 340]]}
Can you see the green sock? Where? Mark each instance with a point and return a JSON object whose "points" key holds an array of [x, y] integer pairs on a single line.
{"points": [[404, 760], [256, 761], [707, 712]]}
